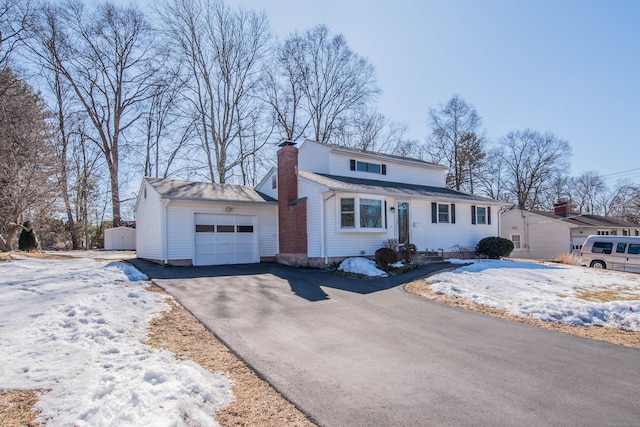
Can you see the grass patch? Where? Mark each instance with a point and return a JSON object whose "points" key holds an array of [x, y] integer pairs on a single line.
{"points": [[257, 403], [16, 408]]}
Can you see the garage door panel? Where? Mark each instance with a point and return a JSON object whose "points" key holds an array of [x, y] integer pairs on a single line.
{"points": [[225, 239]]}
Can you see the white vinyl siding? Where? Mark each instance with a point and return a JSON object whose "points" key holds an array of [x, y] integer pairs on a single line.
{"points": [[181, 225], [396, 171], [148, 224]]}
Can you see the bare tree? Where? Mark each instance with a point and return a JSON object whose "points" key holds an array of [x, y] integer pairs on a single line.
{"points": [[490, 180], [27, 161], [106, 57], [530, 160], [585, 191], [454, 139], [222, 51], [15, 16], [324, 85]]}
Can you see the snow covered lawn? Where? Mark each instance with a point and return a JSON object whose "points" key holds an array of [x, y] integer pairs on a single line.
{"points": [[575, 296], [74, 327]]}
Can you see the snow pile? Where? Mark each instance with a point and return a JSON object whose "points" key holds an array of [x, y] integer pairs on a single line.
{"points": [[545, 292], [362, 266], [75, 327]]}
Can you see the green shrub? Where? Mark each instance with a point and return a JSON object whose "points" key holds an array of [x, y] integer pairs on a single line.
{"points": [[494, 247], [386, 256]]}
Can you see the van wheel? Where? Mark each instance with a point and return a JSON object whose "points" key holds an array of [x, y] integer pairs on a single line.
{"points": [[598, 264]]}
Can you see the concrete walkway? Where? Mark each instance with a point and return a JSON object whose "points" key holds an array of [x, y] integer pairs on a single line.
{"points": [[352, 352]]}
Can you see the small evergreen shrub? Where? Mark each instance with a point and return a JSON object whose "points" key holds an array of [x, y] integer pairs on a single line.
{"points": [[386, 256], [494, 247], [27, 240]]}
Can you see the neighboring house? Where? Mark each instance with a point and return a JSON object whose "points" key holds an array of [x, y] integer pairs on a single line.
{"points": [[195, 223], [544, 235], [332, 203]]}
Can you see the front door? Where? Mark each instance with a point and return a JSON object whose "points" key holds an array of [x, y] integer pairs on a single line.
{"points": [[403, 222]]}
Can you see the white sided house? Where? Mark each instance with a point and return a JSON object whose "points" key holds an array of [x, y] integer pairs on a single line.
{"points": [[336, 202], [195, 223], [321, 204], [545, 235]]}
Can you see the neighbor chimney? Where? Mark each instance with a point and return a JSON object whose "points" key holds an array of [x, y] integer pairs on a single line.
{"points": [[562, 208]]}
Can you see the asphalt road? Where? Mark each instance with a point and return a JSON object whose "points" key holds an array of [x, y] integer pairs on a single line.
{"points": [[352, 352]]}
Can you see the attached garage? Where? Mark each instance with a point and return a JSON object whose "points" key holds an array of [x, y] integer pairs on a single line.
{"points": [[225, 239], [193, 223]]}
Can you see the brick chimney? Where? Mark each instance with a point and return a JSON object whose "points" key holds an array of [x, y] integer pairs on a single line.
{"points": [[562, 208], [292, 211]]}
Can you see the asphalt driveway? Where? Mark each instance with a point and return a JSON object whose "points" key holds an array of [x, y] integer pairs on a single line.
{"points": [[352, 352]]}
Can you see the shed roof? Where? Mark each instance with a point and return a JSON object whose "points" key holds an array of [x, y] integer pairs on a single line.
{"points": [[579, 220], [188, 190], [350, 184]]}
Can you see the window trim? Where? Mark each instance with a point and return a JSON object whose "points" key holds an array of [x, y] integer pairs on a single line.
{"points": [[475, 215], [519, 247], [357, 218], [435, 213], [355, 166]]}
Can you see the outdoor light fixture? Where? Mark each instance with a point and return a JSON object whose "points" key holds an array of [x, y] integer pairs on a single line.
{"points": [[392, 209], [228, 209]]}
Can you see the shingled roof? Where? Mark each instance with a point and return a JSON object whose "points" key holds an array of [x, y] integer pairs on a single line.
{"points": [[579, 220], [187, 190], [349, 184]]}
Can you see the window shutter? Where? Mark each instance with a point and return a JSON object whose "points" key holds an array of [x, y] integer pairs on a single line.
{"points": [[489, 215], [434, 213], [352, 164], [453, 213], [473, 215], [384, 169]]}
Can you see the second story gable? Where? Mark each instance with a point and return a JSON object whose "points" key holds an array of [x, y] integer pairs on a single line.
{"points": [[341, 161]]}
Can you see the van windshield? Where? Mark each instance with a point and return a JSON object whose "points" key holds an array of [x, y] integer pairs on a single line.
{"points": [[602, 247]]}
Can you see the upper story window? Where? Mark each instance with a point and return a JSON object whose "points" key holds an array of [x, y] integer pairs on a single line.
{"points": [[368, 212], [357, 165], [443, 213], [274, 181], [481, 215], [603, 232]]}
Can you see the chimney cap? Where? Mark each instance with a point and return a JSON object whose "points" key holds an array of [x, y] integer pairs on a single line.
{"points": [[286, 142]]}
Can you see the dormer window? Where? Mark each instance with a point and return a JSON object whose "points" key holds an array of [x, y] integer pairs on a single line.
{"points": [[357, 165]]}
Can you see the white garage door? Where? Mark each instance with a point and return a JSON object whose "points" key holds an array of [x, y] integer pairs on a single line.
{"points": [[225, 239]]}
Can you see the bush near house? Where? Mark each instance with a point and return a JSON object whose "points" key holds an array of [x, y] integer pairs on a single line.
{"points": [[386, 256], [494, 247], [407, 252]]}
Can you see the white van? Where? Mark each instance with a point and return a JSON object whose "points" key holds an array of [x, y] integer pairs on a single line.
{"points": [[613, 252]]}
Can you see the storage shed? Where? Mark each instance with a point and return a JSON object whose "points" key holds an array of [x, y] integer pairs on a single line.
{"points": [[120, 239]]}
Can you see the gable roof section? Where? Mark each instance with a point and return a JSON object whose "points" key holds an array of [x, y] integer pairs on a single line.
{"points": [[359, 185], [187, 190], [356, 151], [578, 220]]}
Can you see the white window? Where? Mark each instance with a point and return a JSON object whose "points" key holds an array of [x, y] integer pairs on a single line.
{"points": [[442, 213], [626, 232], [368, 212], [603, 232], [480, 215], [517, 242], [357, 165]]}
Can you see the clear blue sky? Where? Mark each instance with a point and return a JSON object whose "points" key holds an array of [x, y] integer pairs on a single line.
{"points": [[565, 66]]}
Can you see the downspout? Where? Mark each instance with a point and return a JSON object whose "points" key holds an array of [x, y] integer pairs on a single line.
{"points": [[323, 241], [164, 231]]}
